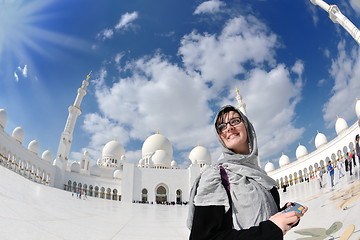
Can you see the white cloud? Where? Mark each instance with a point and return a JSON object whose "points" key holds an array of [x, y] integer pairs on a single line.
{"points": [[105, 34], [345, 70], [16, 77], [212, 6], [312, 9], [126, 20], [355, 4], [220, 58]]}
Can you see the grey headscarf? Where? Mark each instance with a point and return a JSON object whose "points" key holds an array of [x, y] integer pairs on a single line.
{"points": [[252, 201]]}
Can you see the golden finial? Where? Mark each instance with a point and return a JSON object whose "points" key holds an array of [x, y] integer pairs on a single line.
{"points": [[237, 90], [88, 76]]}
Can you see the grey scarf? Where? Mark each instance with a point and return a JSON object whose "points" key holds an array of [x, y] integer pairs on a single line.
{"points": [[250, 186]]}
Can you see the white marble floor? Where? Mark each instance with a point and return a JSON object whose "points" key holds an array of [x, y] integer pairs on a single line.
{"points": [[33, 211]]}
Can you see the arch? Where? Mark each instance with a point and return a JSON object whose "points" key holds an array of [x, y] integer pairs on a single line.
{"points": [[91, 190], [291, 179], [108, 194], [345, 150], [102, 192], [179, 196], [74, 187], [351, 146], [69, 186], [96, 193], [115, 194], [144, 195], [161, 193], [85, 189]]}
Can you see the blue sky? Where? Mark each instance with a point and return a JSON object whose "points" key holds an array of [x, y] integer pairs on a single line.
{"points": [[169, 65]]}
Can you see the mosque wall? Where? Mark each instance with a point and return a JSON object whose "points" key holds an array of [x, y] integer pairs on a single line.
{"points": [[306, 166], [173, 181], [19, 159]]}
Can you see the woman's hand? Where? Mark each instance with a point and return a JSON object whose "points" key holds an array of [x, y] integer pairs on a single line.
{"points": [[285, 221]]}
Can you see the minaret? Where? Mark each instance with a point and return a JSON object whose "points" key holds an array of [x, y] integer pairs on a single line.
{"points": [[66, 136], [241, 105], [337, 17]]}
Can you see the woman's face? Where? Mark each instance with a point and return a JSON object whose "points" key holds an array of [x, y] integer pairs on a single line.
{"points": [[234, 137]]}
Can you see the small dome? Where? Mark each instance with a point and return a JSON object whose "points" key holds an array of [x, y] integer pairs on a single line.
{"points": [[117, 174], [86, 153], [18, 134], [75, 167], [269, 166], [3, 118], [357, 108], [161, 159], [141, 162], [340, 125], [320, 140], [34, 146], [47, 156], [201, 154], [113, 149], [301, 151], [174, 164], [95, 170], [284, 160], [156, 142]]}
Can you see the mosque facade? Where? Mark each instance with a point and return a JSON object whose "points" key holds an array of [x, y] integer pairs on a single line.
{"points": [[156, 178]]}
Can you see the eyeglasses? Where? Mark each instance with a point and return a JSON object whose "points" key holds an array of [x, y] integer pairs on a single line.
{"points": [[233, 122]]}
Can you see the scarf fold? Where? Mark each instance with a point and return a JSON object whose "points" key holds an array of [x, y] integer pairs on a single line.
{"points": [[250, 186]]}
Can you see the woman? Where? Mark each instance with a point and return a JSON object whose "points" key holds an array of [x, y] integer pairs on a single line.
{"points": [[236, 199]]}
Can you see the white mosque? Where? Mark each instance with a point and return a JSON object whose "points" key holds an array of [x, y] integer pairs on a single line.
{"points": [[156, 177]]}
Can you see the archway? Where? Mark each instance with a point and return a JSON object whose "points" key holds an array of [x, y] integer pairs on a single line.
{"points": [[178, 196], [161, 194], [144, 195]]}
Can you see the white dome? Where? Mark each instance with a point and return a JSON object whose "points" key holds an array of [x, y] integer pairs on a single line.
{"points": [[174, 164], [284, 160], [357, 108], [301, 151], [340, 125], [34, 146], [47, 156], [156, 142], [95, 171], [141, 162], [161, 159], [320, 140], [75, 167], [86, 153], [113, 149], [269, 166], [117, 174], [201, 155], [3, 118], [18, 134]]}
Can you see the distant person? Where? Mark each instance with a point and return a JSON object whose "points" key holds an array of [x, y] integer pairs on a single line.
{"points": [[340, 167], [331, 171], [319, 176], [357, 147], [236, 199]]}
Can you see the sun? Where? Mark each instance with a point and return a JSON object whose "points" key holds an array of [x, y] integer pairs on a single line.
{"points": [[23, 33]]}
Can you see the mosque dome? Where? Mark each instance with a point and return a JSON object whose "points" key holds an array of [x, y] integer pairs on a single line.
{"points": [[174, 164], [75, 167], [201, 154], [86, 153], [47, 156], [141, 162], [95, 170], [340, 125], [18, 134], [113, 149], [301, 151], [117, 174], [155, 142], [320, 140], [357, 108], [34, 146], [3, 118], [284, 160], [269, 166], [161, 159]]}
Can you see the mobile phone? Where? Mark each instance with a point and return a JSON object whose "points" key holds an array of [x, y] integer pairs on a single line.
{"points": [[294, 207]]}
